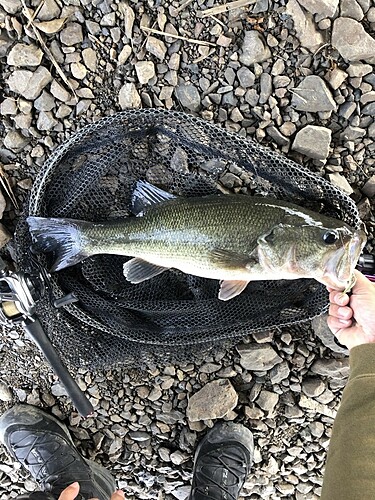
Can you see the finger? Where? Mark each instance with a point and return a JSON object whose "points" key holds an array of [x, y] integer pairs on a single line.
{"points": [[340, 311], [118, 495], [362, 284], [70, 493], [339, 298], [336, 324]]}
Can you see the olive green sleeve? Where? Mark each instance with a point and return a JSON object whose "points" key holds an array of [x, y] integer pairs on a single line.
{"points": [[350, 467]]}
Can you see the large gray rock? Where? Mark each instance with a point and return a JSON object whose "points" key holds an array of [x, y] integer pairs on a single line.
{"points": [[29, 84], [11, 6], [313, 141], [258, 357], [254, 48], [325, 8], [334, 368], [304, 26], [189, 97], [23, 54], [352, 41], [352, 9], [313, 95], [15, 141], [214, 400]]}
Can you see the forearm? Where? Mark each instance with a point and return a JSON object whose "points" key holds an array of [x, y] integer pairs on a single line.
{"points": [[350, 468]]}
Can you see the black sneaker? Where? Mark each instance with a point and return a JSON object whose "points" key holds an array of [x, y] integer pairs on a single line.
{"points": [[222, 462], [44, 447]]}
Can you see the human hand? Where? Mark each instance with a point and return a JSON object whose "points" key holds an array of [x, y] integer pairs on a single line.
{"points": [[71, 492], [352, 319]]}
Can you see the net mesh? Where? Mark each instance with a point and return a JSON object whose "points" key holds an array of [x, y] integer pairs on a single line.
{"points": [[173, 316]]}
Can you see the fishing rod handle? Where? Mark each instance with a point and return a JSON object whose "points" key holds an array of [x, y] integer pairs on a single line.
{"points": [[79, 399]]}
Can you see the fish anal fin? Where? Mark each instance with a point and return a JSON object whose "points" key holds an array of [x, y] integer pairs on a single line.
{"points": [[231, 288], [137, 270], [145, 195]]}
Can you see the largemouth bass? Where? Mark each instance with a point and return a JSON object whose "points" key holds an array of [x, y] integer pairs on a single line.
{"points": [[232, 238]]}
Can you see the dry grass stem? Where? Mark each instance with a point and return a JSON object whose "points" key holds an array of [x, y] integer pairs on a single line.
{"points": [[183, 5], [179, 37], [219, 9], [46, 50], [202, 58], [7, 187]]}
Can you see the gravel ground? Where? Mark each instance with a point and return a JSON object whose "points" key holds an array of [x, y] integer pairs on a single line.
{"points": [[295, 75]]}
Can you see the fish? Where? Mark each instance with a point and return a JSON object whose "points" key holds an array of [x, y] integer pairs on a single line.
{"points": [[233, 238]]}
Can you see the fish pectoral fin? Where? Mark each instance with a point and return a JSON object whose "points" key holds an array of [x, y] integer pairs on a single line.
{"points": [[146, 195], [137, 270], [231, 288], [232, 260]]}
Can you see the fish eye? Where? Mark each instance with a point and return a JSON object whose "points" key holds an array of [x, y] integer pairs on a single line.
{"points": [[330, 237]]}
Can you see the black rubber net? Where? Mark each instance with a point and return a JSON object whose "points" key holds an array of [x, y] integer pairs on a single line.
{"points": [[174, 316]]}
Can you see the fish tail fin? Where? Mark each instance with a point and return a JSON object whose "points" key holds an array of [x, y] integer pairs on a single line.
{"points": [[62, 236]]}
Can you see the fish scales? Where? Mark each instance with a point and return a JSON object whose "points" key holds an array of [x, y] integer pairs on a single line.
{"points": [[187, 230]]}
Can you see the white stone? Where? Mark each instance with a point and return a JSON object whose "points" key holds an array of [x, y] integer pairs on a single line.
{"points": [[129, 97], [145, 71]]}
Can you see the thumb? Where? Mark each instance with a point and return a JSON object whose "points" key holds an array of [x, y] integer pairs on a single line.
{"points": [[70, 493], [362, 284]]}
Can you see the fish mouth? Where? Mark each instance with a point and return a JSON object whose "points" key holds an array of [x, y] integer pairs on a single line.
{"points": [[340, 265]]}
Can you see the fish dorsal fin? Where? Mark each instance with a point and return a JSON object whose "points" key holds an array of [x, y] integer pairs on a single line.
{"points": [[145, 195], [137, 270], [231, 288]]}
